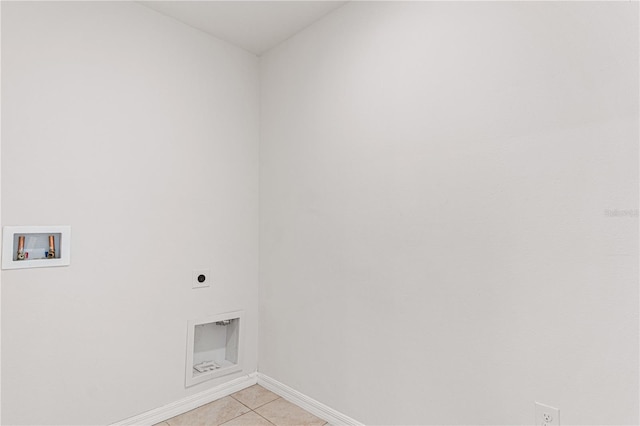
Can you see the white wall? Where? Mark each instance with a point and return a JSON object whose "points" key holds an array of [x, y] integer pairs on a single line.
{"points": [[434, 181], [141, 133]]}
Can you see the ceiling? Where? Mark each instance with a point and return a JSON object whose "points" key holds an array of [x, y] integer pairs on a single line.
{"points": [[256, 26]]}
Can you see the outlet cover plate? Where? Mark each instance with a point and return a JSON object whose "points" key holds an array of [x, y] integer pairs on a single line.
{"points": [[194, 278], [546, 415]]}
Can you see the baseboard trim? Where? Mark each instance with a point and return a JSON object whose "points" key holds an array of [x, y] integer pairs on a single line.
{"points": [[316, 408], [168, 411]]}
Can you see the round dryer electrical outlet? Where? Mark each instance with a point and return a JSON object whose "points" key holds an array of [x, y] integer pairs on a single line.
{"points": [[200, 278]]}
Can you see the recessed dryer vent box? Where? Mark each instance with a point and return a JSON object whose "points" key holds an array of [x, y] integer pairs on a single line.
{"points": [[35, 246], [213, 347]]}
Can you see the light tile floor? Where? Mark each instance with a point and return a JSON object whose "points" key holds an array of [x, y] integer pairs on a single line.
{"points": [[253, 406]]}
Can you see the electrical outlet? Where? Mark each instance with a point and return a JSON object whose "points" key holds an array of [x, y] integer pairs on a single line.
{"points": [[200, 278], [546, 415]]}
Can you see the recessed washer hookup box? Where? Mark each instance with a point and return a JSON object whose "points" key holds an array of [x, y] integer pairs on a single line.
{"points": [[35, 246], [213, 347]]}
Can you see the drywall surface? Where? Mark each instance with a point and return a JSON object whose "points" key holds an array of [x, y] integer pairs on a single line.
{"points": [[141, 133], [449, 197]]}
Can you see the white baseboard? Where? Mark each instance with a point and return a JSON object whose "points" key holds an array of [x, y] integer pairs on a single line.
{"points": [[189, 403], [311, 405]]}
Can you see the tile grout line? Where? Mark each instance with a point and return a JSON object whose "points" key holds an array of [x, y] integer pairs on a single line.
{"points": [[241, 403], [269, 421], [289, 402], [252, 410]]}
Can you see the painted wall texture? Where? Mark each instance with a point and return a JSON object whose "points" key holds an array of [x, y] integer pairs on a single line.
{"points": [[142, 134], [437, 243]]}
